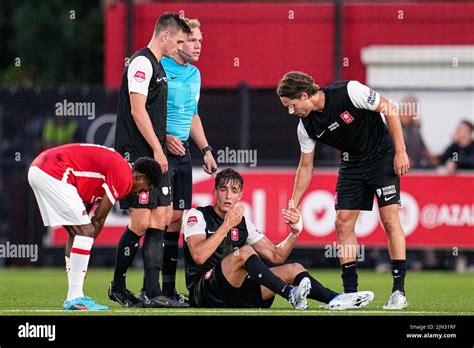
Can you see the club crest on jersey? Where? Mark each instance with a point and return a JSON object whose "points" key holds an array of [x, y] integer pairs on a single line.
{"points": [[165, 190], [143, 198], [234, 232], [347, 117], [139, 76], [192, 220]]}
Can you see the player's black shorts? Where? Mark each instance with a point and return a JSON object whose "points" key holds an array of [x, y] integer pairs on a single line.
{"points": [[214, 291], [355, 188], [158, 197], [181, 179]]}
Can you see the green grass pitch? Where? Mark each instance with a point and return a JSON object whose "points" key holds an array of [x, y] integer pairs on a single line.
{"points": [[42, 291]]}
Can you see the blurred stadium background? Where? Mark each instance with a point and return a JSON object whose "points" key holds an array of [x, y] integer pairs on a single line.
{"points": [[74, 51]]}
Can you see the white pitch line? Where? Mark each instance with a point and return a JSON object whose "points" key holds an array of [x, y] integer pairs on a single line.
{"points": [[235, 311]]}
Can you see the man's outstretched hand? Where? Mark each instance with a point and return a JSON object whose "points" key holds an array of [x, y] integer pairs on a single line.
{"points": [[293, 218]]}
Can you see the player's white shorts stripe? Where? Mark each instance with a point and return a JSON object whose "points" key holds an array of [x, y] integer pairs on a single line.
{"points": [[59, 202]]}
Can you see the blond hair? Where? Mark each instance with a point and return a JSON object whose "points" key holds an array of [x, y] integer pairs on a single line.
{"points": [[192, 23]]}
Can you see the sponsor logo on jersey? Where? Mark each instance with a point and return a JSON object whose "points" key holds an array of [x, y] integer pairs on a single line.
{"points": [[143, 198], [234, 234], [371, 98], [333, 126], [347, 117], [139, 76], [192, 220]]}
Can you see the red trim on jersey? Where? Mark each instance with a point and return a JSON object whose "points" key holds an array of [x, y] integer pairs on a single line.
{"points": [[80, 251]]}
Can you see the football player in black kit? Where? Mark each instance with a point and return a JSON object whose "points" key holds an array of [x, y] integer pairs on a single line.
{"points": [[141, 131], [222, 251], [346, 116]]}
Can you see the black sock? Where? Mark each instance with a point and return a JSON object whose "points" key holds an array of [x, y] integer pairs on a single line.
{"points": [[349, 276], [262, 275], [126, 251], [152, 259], [318, 291], [399, 270], [170, 261]]}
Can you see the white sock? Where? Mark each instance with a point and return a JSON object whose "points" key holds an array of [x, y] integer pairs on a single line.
{"points": [[68, 264], [79, 260]]}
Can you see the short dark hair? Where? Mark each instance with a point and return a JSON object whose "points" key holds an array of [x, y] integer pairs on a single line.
{"points": [[294, 83], [467, 123], [228, 175], [171, 22], [150, 168]]}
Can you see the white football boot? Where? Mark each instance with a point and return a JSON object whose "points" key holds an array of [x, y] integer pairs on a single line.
{"points": [[298, 294], [351, 300], [397, 300]]}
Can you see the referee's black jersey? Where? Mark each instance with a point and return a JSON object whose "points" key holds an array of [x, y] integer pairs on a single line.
{"points": [[144, 75], [205, 221], [348, 123]]}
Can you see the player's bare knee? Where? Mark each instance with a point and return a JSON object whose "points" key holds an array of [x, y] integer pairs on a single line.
{"points": [[343, 226], [390, 224], [245, 252], [161, 218], [161, 223], [297, 268], [139, 227]]}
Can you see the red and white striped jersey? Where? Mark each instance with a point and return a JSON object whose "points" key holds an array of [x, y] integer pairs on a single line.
{"points": [[94, 170]]}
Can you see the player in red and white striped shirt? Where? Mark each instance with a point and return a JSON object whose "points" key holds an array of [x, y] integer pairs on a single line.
{"points": [[67, 181]]}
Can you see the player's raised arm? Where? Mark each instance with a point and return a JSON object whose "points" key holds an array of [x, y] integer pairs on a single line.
{"points": [[401, 163]]}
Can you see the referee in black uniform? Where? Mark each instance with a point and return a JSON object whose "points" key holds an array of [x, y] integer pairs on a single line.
{"points": [[346, 116], [141, 131]]}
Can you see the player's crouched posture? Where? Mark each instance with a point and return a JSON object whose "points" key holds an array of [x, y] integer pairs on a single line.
{"points": [[222, 252], [67, 179]]}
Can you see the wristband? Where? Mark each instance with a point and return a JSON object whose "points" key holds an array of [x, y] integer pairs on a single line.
{"points": [[205, 149]]}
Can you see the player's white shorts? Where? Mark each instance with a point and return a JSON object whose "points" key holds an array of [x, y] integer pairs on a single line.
{"points": [[59, 202]]}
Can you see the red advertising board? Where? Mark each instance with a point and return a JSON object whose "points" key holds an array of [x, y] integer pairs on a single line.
{"points": [[259, 42], [437, 211]]}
